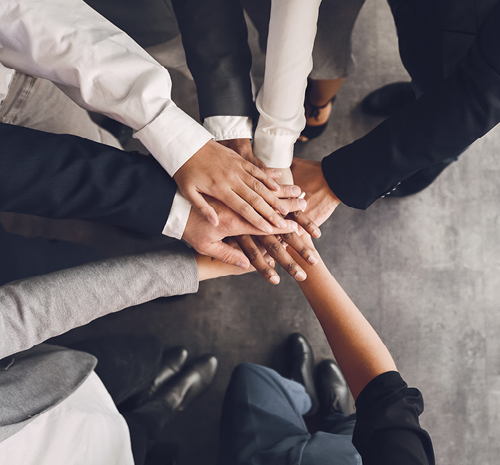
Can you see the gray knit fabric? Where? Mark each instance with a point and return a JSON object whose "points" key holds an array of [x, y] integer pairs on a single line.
{"points": [[35, 309]]}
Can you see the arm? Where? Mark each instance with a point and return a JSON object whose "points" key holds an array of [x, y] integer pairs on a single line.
{"points": [[38, 308], [103, 70], [35, 309], [63, 176], [214, 35], [439, 125], [280, 102], [359, 351]]}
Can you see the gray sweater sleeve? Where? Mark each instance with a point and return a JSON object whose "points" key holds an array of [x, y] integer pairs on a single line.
{"points": [[35, 309]]}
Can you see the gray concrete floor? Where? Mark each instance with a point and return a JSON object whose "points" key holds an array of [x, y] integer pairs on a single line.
{"points": [[424, 270]]}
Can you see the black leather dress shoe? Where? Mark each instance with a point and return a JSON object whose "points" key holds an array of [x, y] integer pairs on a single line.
{"points": [[300, 358], [420, 180], [172, 362], [389, 100], [177, 394], [332, 388], [193, 381]]}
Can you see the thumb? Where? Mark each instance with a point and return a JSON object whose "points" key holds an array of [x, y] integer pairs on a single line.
{"points": [[227, 254], [205, 209]]}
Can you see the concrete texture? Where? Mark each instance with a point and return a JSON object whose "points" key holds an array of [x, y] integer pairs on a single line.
{"points": [[424, 270]]}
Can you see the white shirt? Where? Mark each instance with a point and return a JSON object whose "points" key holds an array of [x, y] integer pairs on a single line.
{"points": [[85, 428], [103, 70], [280, 102]]}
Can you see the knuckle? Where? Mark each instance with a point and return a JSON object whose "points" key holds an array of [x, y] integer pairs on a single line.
{"points": [[256, 185], [255, 199], [287, 236], [290, 267], [252, 254], [274, 248], [246, 209]]}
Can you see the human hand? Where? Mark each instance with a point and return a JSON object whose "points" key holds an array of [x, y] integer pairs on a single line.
{"points": [[207, 239], [209, 268], [221, 173], [321, 201], [243, 147], [276, 248]]}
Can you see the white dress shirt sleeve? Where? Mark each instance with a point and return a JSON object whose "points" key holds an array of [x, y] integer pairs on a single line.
{"points": [[280, 102], [229, 127], [178, 217], [100, 68]]}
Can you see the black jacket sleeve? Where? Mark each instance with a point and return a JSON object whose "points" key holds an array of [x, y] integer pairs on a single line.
{"points": [[63, 176], [387, 427], [214, 34], [441, 124]]}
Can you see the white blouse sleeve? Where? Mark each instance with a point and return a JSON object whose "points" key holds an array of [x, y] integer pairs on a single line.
{"points": [[280, 102]]}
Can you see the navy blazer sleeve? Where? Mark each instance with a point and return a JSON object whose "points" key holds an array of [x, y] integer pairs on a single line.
{"points": [[63, 176], [441, 124], [215, 38]]}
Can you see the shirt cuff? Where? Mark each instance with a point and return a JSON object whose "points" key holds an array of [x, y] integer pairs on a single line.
{"points": [[173, 138], [274, 150], [178, 217], [229, 127]]}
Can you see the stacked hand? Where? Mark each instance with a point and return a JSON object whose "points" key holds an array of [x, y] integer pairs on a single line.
{"points": [[273, 244], [233, 194]]}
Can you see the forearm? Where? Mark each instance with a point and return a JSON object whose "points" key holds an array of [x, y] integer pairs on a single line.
{"points": [[35, 309], [439, 125], [280, 101], [358, 349], [63, 176], [101, 69], [214, 35]]}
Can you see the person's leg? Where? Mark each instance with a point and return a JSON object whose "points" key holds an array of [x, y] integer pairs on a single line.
{"points": [[262, 418], [262, 424], [23, 257], [126, 364], [38, 104], [332, 61]]}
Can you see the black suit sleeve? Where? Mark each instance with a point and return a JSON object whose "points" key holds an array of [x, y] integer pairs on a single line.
{"points": [[214, 34], [441, 124], [63, 176]]}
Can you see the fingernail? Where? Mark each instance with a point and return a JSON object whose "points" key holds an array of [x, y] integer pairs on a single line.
{"points": [[316, 233], [312, 260], [212, 221], [276, 186], [302, 204], [282, 224], [274, 279], [283, 210], [268, 229], [296, 191], [300, 276], [293, 225], [277, 173], [243, 265]]}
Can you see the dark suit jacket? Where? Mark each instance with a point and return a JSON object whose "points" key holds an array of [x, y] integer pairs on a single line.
{"points": [[63, 176], [451, 50], [215, 38]]}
